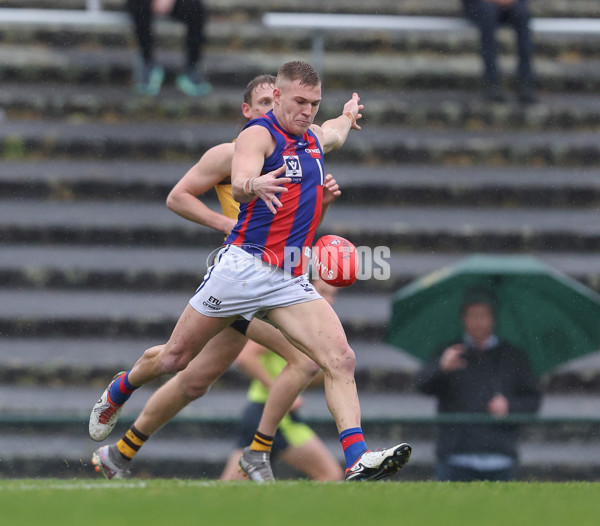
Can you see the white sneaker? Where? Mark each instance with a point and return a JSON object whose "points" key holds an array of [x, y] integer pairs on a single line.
{"points": [[108, 462], [104, 415], [380, 464]]}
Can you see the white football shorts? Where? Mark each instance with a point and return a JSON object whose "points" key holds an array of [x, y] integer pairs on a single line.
{"points": [[244, 285]]}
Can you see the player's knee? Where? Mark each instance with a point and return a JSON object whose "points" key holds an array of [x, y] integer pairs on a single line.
{"points": [[311, 369], [153, 352], [173, 359], [341, 361], [348, 361], [192, 388], [307, 367]]}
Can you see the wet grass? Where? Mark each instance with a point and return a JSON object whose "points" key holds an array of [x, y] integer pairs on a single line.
{"points": [[180, 502]]}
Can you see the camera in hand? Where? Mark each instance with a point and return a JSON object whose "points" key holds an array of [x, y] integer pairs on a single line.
{"points": [[471, 354]]}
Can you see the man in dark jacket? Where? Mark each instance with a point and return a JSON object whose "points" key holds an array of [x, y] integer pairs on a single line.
{"points": [[480, 374]]}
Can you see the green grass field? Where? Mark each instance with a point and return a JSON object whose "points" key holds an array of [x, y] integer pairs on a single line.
{"points": [[175, 502]]}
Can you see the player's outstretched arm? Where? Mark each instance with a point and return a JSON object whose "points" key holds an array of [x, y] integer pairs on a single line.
{"points": [[212, 168], [332, 134]]}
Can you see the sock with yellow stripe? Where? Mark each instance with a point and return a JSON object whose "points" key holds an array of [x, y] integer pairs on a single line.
{"points": [[131, 443], [261, 442]]}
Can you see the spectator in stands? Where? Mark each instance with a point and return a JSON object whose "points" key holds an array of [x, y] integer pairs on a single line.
{"points": [[482, 375], [487, 15], [149, 75]]}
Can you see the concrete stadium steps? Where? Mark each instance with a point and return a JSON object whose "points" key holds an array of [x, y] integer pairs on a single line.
{"points": [[62, 267], [94, 268], [420, 228], [106, 314], [94, 103], [248, 8], [229, 33], [40, 407], [32, 63], [41, 266], [91, 360], [394, 185], [415, 108], [471, 230], [67, 456], [552, 8], [199, 440], [68, 338], [68, 362], [374, 145]]}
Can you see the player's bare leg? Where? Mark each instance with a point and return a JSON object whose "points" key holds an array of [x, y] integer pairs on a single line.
{"points": [[192, 331], [190, 335], [314, 460], [191, 383], [255, 459], [114, 461], [315, 328], [290, 382], [231, 470]]}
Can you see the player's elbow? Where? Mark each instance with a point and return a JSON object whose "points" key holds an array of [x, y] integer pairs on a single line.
{"points": [[178, 201], [334, 143], [172, 201], [238, 193]]}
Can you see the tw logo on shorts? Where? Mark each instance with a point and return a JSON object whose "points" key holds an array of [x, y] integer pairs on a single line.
{"points": [[212, 303], [293, 168]]}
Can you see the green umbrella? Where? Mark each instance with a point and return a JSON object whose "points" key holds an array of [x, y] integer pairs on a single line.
{"points": [[549, 315]]}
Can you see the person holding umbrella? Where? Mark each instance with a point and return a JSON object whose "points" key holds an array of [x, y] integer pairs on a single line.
{"points": [[481, 374]]}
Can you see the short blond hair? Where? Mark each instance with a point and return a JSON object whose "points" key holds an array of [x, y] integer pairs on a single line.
{"points": [[298, 70]]}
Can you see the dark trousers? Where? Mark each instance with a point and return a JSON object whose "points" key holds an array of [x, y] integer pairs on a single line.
{"points": [[190, 12], [487, 17], [451, 473]]}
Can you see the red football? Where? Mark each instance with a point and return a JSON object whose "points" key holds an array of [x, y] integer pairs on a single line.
{"points": [[336, 261]]}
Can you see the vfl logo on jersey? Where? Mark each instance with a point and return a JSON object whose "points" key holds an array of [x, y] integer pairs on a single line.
{"points": [[293, 169]]}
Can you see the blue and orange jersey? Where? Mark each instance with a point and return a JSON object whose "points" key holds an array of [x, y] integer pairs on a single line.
{"points": [[284, 239]]}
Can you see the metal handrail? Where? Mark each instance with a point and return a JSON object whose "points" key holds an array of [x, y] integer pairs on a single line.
{"points": [[440, 419]]}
